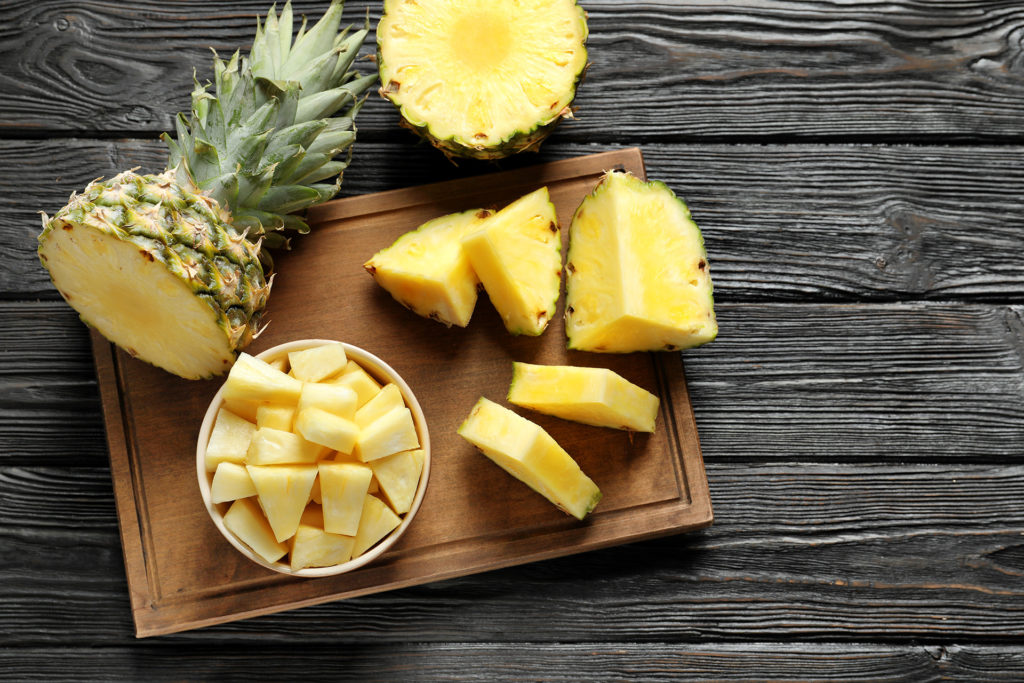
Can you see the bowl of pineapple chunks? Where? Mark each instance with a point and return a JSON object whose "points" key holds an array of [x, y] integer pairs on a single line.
{"points": [[313, 457]]}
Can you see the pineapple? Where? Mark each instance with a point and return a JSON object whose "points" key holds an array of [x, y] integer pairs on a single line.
{"points": [[398, 476], [426, 270], [387, 399], [343, 486], [327, 429], [517, 254], [171, 266], [313, 547], [231, 481], [376, 521], [360, 381], [318, 362], [283, 491], [392, 432], [527, 452], [245, 520], [593, 396], [637, 272], [278, 447], [482, 78], [229, 439]]}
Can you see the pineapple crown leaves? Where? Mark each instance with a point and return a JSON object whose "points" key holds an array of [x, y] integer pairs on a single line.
{"points": [[264, 142]]}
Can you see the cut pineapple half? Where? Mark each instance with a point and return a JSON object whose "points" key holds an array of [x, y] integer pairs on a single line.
{"points": [[517, 254], [637, 272], [426, 270], [482, 78]]}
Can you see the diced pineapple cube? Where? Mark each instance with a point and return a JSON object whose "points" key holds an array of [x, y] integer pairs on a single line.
{"points": [[334, 398], [376, 521], [277, 447], [593, 396], [391, 433], [275, 416], [343, 486], [324, 428], [230, 482], [313, 547], [387, 399], [359, 381], [245, 520], [283, 491], [253, 380], [318, 363], [399, 477], [229, 439]]}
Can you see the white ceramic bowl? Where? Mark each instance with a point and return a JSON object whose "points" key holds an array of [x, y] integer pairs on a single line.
{"points": [[384, 374]]}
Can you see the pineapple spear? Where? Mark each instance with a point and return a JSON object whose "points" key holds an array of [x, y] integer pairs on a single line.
{"points": [[171, 267]]}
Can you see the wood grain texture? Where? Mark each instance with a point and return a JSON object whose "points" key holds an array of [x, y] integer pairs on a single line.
{"points": [[798, 552], [487, 662], [788, 222], [661, 70]]}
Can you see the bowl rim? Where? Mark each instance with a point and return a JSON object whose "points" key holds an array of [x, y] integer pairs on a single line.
{"points": [[379, 370]]}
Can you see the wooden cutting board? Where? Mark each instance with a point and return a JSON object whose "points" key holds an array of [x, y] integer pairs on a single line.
{"points": [[182, 574]]}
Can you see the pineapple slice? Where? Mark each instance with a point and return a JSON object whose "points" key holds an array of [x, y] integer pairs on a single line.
{"points": [[313, 547], [359, 381], [277, 447], [275, 416], [387, 399], [252, 382], [317, 363], [593, 396], [231, 481], [333, 398], [283, 492], [638, 275], [482, 78], [343, 486], [376, 521], [391, 433], [528, 453], [398, 476], [327, 429], [517, 254], [229, 439], [426, 270], [245, 520]]}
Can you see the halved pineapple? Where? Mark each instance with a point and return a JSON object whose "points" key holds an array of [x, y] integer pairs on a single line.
{"points": [[637, 272], [426, 270], [593, 396], [517, 254], [482, 78], [527, 452]]}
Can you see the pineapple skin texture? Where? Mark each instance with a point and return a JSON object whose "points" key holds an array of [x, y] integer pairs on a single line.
{"points": [[188, 233]]}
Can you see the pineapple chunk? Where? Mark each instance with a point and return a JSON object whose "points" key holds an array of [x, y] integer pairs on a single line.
{"points": [[275, 416], [638, 275], [314, 547], [593, 396], [229, 439], [333, 398], [391, 433], [343, 486], [517, 254], [387, 399], [398, 476], [426, 270], [318, 363], [245, 520], [251, 380], [277, 447], [327, 429], [283, 492], [359, 381], [280, 363], [524, 450], [231, 481], [376, 521]]}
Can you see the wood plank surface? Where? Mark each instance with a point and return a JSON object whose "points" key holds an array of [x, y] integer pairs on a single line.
{"points": [[786, 222], [663, 71]]}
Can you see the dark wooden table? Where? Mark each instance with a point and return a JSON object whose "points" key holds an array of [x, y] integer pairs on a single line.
{"points": [[857, 170]]}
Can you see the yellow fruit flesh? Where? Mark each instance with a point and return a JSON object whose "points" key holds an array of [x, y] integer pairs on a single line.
{"points": [[376, 521], [245, 520], [229, 439], [314, 547], [343, 486], [283, 491], [391, 433], [594, 396], [317, 363], [397, 475], [231, 481], [527, 452]]}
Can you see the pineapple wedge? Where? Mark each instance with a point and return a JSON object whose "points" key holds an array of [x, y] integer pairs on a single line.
{"points": [[275, 416], [278, 447], [283, 492], [313, 547], [318, 363], [387, 399], [524, 450], [321, 427], [343, 486], [376, 521], [593, 396], [332, 398], [637, 273], [398, 476], [231, 481], [252, 382], [393, 432], [517, 254], [229, 439], [245, 520], [359, 381], [426, 270]]}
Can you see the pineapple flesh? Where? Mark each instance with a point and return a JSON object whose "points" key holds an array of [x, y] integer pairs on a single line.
{"points": [[171, 267], [482, 78], [527, 452], [637, 272], [517, 254], [593, 396], [426, 270]]}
